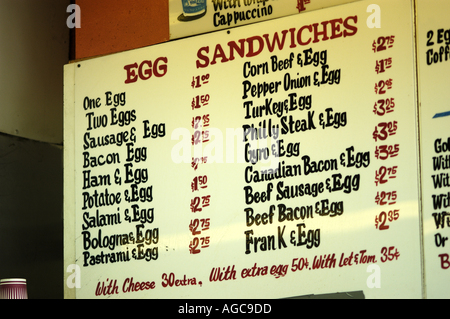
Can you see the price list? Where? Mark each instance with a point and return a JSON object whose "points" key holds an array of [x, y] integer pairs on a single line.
{"points": [[385, 132], [200, 225]]}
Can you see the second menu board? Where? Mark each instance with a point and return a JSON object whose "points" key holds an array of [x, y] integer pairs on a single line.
{"points": [[273, 160]]}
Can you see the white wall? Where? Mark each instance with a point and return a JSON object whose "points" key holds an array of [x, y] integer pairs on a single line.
{"points": [[34, 46]]}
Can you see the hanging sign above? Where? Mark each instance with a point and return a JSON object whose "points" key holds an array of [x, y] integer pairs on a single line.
{"points": [[191, 17]]}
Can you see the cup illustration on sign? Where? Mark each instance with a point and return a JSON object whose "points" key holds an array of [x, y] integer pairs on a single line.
{"points": [[192, 10]]}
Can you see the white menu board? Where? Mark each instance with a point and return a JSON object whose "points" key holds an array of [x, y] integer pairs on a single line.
{"points": [[433, 42], [273, 160]]}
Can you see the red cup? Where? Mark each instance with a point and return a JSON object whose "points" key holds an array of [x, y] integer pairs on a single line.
{"points": [[15, 288]]}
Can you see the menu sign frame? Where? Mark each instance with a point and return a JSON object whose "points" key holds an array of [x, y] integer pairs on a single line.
{"points": [[268, 161]]}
